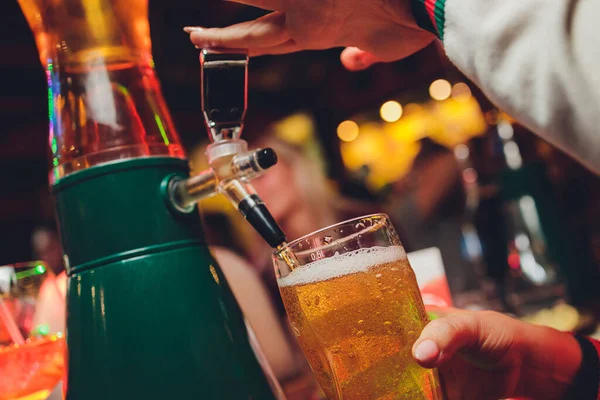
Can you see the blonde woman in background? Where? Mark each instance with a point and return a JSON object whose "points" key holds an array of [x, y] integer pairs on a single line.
{"points": [[300, 198]]}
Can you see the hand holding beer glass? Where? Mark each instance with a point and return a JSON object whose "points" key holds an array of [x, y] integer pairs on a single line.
{"points": [[355, 307]]}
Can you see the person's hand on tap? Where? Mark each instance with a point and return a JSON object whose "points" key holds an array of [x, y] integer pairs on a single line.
{"points": [[372, 30]]}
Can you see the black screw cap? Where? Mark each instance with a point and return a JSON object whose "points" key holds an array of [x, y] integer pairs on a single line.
{"points": [[266, 158]]}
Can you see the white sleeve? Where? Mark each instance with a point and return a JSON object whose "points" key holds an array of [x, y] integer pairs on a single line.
{"points": [[538, 60]]}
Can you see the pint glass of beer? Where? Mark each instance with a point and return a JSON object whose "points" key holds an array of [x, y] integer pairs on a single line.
{"points": [[355, 307]]}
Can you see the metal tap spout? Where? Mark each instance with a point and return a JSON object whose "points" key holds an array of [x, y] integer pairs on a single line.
{"points": [[232, 166]]}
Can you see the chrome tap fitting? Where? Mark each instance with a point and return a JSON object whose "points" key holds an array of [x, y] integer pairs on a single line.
{"points": [[232, 166]]}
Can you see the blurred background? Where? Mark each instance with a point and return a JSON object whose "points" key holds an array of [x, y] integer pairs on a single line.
{"points": [[515, 219]]}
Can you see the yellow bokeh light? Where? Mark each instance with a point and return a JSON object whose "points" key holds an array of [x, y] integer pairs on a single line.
{"points": [[410, 128], [297, 128], [389, 149], [456, 121], [440, 89], [412, 108], [461, 91], [388, 157], [391, 111], [347, 131]]}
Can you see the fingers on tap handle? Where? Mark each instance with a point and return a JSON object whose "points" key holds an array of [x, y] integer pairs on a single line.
{"points": [[265, 31], [265, 35], [264, 4]]}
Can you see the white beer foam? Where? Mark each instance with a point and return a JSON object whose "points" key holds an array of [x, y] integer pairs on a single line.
{"points": [[360, 260]]}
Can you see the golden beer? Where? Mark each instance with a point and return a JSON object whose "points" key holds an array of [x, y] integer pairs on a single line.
{"points": [[357, 316]]}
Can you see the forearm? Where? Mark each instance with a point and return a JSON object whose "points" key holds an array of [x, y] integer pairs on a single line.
{"points": [[534, 59]]}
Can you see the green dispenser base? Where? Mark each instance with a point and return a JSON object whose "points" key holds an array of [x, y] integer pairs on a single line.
{"points": [[149, 312]]}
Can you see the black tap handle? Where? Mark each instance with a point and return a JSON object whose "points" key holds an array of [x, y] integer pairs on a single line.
{"points": [[266, 158]]}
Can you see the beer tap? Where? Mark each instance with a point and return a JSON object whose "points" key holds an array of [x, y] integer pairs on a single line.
{"points": [[232, 166]]}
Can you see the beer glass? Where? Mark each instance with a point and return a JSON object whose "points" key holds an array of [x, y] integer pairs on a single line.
{"points": [[355, 307]]}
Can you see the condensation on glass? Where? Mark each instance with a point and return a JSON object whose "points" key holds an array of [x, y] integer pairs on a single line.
{"points": [[104, 99]]}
